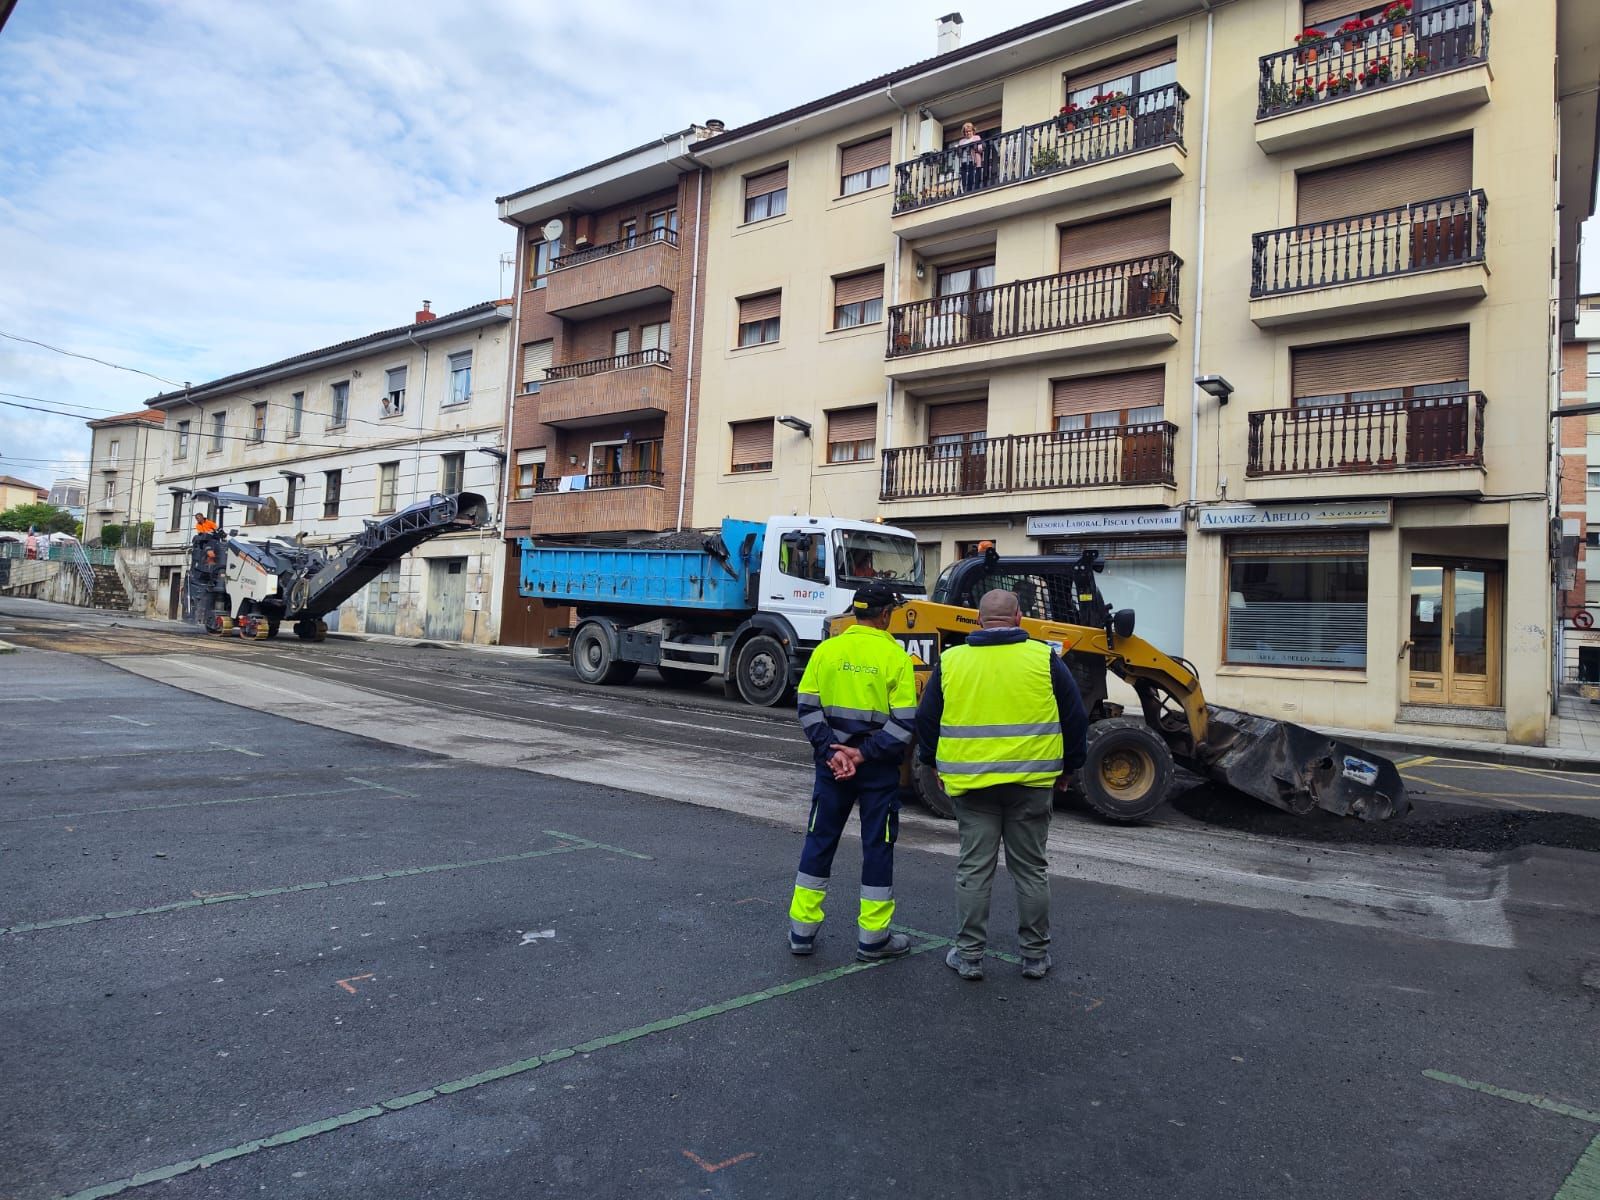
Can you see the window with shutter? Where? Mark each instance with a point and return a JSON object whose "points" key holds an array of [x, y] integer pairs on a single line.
{"points": [[852, 433], [752, 445], [1134, 74], [759, 318], [1321, 12], [767, 194], [864, 165], [530, 470], [1381, 369], [1391, 181], [1105, 401], [858, 299], [965, 420], [537, 358], [1127, 236]]}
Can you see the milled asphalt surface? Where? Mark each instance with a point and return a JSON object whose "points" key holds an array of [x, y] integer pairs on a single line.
{"points": [[1180, 1048]]}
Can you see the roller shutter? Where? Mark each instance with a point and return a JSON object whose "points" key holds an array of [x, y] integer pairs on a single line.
{"points": [[1375, 184], [1382, 363], [1108, 393]]}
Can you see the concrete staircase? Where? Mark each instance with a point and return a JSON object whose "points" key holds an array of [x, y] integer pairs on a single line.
{"points": [[108, 590]]}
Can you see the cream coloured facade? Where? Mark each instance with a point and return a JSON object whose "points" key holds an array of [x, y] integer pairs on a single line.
{"points": [[349, 434], [124, 459], [1357, 535]]}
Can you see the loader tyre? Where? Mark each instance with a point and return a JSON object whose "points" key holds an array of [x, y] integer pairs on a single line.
{"points": [[594, 657], [1128, 770], [929, 787], [678, 677], [762, 671]]}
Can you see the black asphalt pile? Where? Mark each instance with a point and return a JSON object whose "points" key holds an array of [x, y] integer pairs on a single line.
{"points": [[1433, 825], [684, 539]]}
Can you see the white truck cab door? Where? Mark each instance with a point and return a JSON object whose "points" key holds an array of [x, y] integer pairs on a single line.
{"points": [[797, 575]]}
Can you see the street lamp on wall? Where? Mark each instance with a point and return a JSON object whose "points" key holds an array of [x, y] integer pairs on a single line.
{"points": [[1215, 386], [798, 424]]}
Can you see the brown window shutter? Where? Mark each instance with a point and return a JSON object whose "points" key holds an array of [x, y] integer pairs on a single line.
{"points": [[1382, 363], [536, 360], [1123, 66], [1321, 12], [767, 181], [853, 424], [852, 289], [752, 442], [1109, 393], [1375, 184], [863, 156], [760, 308], [1116, 239], [965, 416]]}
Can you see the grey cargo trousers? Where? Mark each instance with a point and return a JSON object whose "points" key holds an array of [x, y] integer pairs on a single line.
{"points": [[1020, 817]]}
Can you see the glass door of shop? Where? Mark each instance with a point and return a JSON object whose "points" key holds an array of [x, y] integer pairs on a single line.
{"points": [[1456, 632]]}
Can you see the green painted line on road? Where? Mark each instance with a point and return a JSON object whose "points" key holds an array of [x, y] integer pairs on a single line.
{"points": [[1584, 1182], [1002, 955], [288, 889], [1541, 1102], [583, 841], [520, 1067], [113, 812]]}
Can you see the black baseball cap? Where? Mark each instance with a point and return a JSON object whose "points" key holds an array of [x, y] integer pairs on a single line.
{"points": [[872, 598]]}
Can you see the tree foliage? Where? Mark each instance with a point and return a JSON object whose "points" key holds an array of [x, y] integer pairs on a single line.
{"points": [[39, 516]]}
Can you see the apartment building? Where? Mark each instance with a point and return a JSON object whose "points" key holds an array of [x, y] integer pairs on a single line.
{"points": [[14, 492], [1260, 299], [71, 494], [602, 382], [124, 459], [352, 433], [1577, 613]]}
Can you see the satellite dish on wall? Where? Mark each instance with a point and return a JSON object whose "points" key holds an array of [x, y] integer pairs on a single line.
{"points": [[553, 229]]}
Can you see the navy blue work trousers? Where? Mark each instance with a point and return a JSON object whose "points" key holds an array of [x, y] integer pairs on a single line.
{"points": [[875, 787]]}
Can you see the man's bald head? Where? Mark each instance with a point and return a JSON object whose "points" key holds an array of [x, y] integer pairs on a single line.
{"points": [[999, 609]]}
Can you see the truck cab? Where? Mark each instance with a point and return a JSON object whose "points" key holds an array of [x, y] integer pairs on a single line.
{"points": [[812, 566]]}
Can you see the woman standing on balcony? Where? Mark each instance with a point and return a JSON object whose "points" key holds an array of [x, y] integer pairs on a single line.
{"points": [[970, 151]]}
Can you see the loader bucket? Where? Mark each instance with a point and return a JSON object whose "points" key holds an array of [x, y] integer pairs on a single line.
{"points": [[1297, 769]]}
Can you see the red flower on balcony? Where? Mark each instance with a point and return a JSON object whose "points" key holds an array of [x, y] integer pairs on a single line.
{"points": [[1306, 37], [1378, 72], [1338, 85], [1356, 25], [1397, 11]]}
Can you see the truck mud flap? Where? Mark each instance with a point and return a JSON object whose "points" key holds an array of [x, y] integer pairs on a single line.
{"points": [[1297, 769]]}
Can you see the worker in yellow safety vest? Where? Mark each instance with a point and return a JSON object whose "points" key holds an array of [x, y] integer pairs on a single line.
{"points": [[856, 704], [1002, 721]]}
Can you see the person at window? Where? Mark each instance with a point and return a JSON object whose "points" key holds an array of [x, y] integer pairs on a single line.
{"points": [[969, 152]]}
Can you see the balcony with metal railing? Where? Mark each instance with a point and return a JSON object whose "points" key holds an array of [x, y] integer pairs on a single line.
{"points": [[596, 391], [1006, 468], [1378, 67], [592, 281], [1120, 144], [1121, 305], [608, 502], [1355, 449], [1429, 251]]}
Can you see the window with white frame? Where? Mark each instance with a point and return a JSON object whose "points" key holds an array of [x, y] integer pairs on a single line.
{"points": [[258, 422], [388, 481], [297, 413], [451, 468], [114, 450], [339, 406], [858, 299], [656, 336], [530, 470], [619, 343], [536, 360], [460, 378], [183, 440], [539, 255], [864, 165], [394, 394], [219, 426], [852, 433]]}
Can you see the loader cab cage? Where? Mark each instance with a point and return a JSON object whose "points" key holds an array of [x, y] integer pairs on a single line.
{"points": [[1050, 587]]}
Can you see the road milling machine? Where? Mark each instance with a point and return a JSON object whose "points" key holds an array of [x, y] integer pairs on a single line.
{"points": [[1132, 755], [252, 585]]}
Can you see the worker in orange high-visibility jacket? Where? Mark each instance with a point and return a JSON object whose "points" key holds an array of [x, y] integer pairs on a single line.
{"points": [[857, 703]]}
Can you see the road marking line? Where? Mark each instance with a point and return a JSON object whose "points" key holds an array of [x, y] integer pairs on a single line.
{"points": [[713, 1168], [1414, 762], [1542, 1102], [398, 1103], [114, 812], [346, 982], [237, 749], [262, 893], [20, 762], [131, 721], [1584, 1181], [381, 787], [1548, 774], [588, 845], [1450, 787]]}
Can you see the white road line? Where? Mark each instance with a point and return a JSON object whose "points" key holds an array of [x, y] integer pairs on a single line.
{"points": [[131, 721], [236, 749]]}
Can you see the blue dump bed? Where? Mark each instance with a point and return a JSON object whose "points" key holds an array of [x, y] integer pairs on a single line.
{"points": [[624, 575]]}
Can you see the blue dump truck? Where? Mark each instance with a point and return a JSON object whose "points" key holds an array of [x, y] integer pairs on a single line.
{"points": [[743, 605]]}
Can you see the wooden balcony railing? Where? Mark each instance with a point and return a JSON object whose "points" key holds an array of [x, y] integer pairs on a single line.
{"points": [[1034, 462], [617, 362], [609, 479], [1126, 125], [1139, 287], [1421, 236], [1374, 52], [1378, 435], [606, 249]]}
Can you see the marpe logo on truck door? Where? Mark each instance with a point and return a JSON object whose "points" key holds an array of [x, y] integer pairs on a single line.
{"points": [[924, 647]]}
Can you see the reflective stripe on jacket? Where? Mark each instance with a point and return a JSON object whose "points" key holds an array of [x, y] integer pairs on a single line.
{"points": [[858, 689], [1000, 722]]}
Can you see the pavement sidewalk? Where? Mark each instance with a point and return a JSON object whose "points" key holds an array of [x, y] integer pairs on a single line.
{"points": [[1573, 742]]}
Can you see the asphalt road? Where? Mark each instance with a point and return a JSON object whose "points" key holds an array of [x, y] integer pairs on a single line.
{"points": [[318, 963]]}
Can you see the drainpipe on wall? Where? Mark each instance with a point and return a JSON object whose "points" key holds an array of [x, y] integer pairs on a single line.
{"points": [[511, 392], [1200, 279], [894, 286], [688, 374], [416, 466]]}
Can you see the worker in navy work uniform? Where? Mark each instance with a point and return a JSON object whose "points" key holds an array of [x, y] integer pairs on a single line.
{"points": [[857, 703]]}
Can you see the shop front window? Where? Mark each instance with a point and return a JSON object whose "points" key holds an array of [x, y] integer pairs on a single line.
{"points": [[1290, 609]]}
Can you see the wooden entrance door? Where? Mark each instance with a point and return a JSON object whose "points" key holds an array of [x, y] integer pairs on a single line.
{"points": [[1456, 632]]}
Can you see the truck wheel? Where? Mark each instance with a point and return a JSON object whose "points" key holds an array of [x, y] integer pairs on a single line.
{"points": [[594, 659], [678, 677], [272, 627], [930, 790], [1128, 771], [762, 671]]}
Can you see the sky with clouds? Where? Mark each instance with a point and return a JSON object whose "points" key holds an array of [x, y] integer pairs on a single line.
{"points": [[194, 188]]}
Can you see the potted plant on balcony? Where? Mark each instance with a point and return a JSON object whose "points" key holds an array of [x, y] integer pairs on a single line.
{"points": [[1376, 73], [1069, 117], [1157, 281], [1309, 42], [1338, 85], [1355, 32], [1046, 158], [905, 199], [1111, 103], [1396, 16], [1414, 64]]}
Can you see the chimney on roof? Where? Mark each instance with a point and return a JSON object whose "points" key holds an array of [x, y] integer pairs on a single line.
{"points": [[714, 127], [426, 313], [949, 32]]}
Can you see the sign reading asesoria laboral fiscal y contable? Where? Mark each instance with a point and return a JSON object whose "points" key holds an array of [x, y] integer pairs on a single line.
{"points": [[1067, 524], [1297, 516]]}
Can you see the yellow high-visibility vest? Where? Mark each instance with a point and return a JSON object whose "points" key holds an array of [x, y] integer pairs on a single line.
{"points": [[1000, 722]]}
